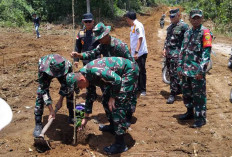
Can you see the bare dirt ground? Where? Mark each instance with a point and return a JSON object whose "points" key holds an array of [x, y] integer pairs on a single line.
{"points": [[157, 131]]}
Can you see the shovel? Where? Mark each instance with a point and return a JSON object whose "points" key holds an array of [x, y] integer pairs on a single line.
{"points": [[40, 143]]}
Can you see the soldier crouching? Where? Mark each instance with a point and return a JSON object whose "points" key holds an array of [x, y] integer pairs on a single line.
{"points": [[119, 76]]}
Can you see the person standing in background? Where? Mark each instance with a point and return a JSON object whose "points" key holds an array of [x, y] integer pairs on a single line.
{"points": [[139, 50], [172, 46], [36, 21], [193, 60]]}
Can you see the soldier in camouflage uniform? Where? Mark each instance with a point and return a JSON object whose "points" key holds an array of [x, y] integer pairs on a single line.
{"points": [[119, 76], [193, 60], [109, 46], [172, 46], [51, 66]]}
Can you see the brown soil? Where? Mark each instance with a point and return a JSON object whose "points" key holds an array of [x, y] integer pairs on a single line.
{"points": [[157, 131]]}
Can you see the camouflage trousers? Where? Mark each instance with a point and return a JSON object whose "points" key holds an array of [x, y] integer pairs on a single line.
{"points": [[125, 103], [175, 83], [194, 95]]}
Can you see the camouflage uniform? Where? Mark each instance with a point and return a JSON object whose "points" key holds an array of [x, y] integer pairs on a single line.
{"points": [[52, 66], [116, 48], [175, 36], [119, 76], [193, 60]]}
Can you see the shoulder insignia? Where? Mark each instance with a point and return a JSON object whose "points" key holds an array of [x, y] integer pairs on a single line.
{"points": [[133, 31], [207, 39], [137, 30], [82, 33]]}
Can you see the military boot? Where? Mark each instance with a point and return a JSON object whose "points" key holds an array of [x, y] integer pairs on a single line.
{"points": [[199, 123], [118, 147], [38, 126], [188, 115], [107, 128]]}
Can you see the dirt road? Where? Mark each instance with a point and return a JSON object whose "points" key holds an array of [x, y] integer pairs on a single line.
{"points": [[157, 131]]}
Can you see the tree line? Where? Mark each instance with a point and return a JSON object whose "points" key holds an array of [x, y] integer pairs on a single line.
{"points": [[18, 12]]}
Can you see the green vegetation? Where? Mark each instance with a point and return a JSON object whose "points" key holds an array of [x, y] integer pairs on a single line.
{"points": [[219, 11], [18, 12], [14, 12]]}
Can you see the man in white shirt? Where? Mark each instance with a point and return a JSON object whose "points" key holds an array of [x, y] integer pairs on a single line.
{"points": [[138, 47]]}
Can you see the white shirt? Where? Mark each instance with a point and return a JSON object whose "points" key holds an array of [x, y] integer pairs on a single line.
{"points": [[137, 31]]}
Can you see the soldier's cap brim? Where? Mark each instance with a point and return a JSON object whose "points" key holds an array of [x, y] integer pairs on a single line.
{"points": [[107, 31], [88, 19], [196, 15]]}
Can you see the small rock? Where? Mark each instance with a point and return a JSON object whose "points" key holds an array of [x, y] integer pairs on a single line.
{"points": [[142, 105], [30, 150], [229, 83]]}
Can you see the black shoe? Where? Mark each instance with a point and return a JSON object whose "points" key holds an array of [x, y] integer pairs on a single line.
{"points": [[116, 148], [199, 123], [37, 130], [106, 128], [171, 99], [186, 116]]}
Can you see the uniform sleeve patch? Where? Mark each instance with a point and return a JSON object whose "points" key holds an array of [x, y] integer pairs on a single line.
{"points": [[207, 39], [137, 31], [82, 33]]}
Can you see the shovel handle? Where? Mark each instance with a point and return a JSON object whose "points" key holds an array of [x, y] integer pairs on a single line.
{"points": [[47, 125]]}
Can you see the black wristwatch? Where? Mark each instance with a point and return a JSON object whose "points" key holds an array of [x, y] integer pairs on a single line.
{"points": [[136, 52]]}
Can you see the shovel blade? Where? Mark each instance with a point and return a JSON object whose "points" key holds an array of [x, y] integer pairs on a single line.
{"points": [[41, 144]]}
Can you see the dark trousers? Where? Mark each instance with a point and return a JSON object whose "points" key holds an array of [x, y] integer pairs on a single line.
{"points": [[142, 73]]}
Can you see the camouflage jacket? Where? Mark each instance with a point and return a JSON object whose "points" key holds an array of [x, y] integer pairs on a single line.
{"points": [[175, 36], [116, 48], [194, 57], [46, 74], [118, 75]]}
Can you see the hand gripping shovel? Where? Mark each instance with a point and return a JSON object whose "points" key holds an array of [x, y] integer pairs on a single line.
{"points": [[40, 143]]}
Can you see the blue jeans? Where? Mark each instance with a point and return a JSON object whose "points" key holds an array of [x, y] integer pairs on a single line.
{"points": [[37, 30]]}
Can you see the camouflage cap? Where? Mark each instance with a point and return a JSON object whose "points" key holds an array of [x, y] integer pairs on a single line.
{"points": [[54, 65], [100, 30], [196, 12], [173, 12]]}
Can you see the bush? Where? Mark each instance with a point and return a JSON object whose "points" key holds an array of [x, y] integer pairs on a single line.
{"points": [[14, 12]]}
